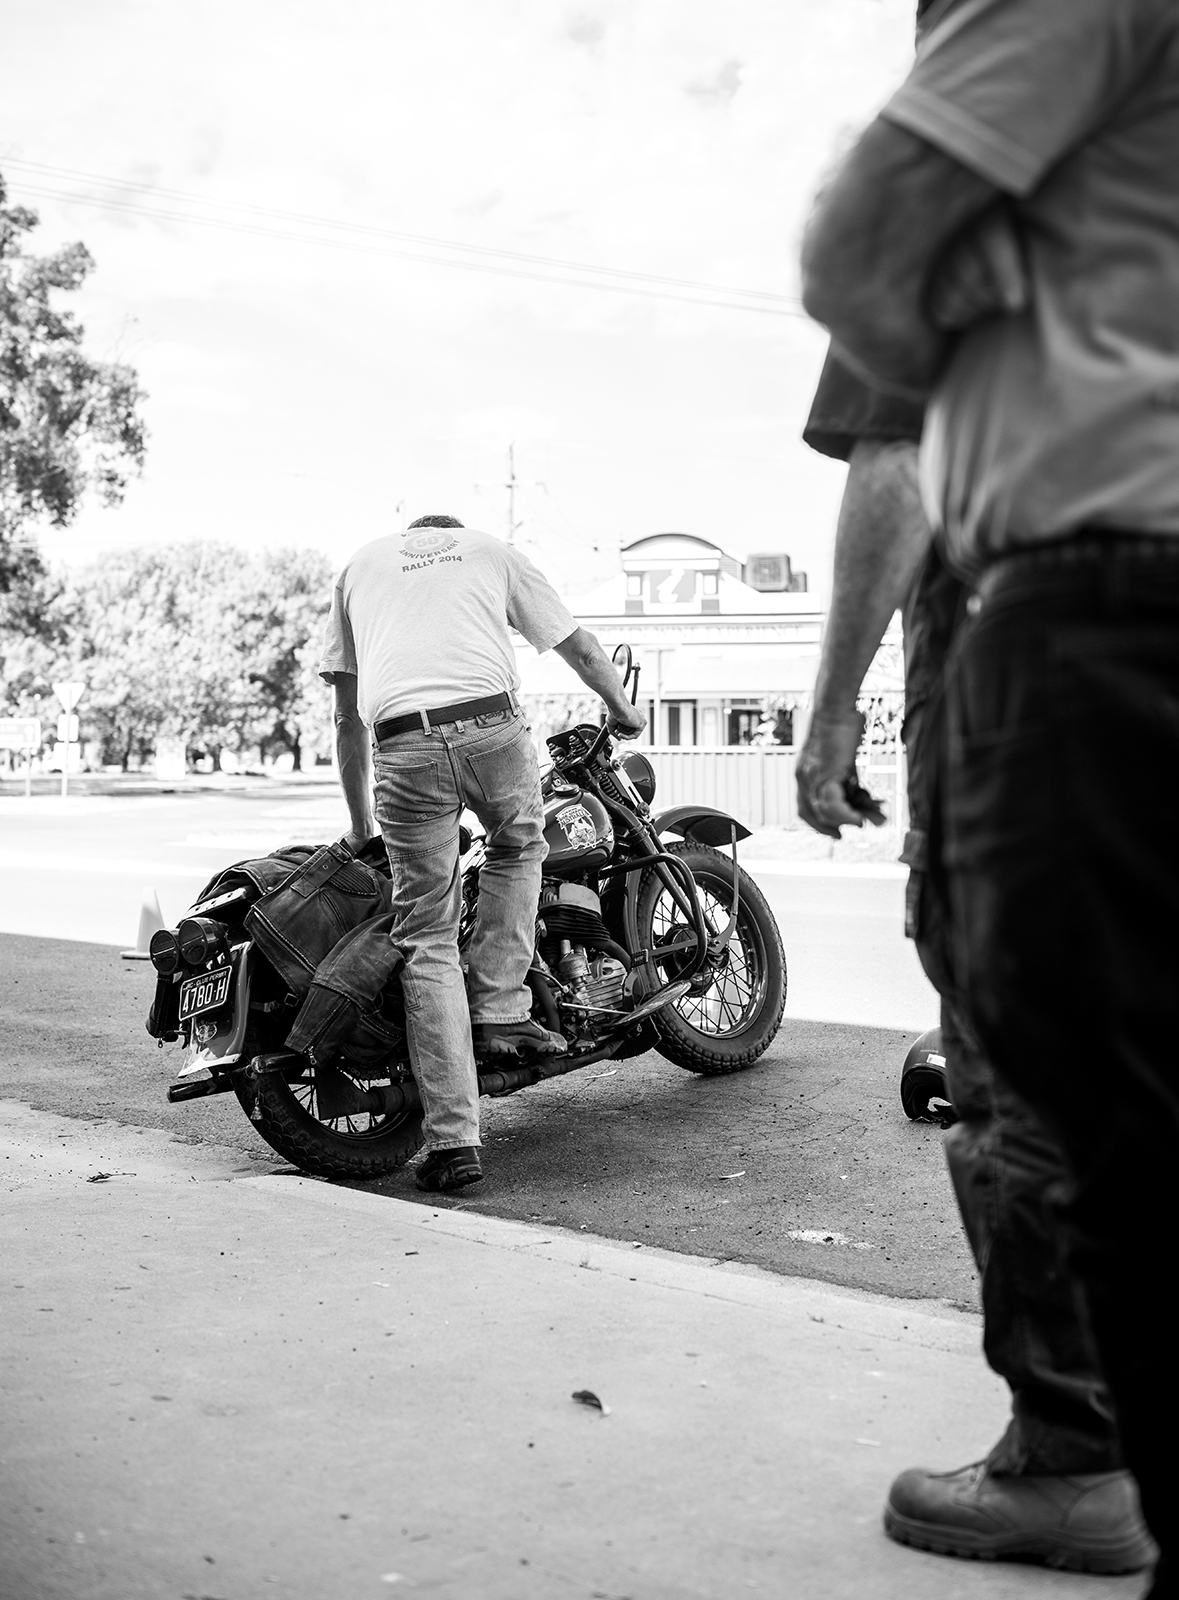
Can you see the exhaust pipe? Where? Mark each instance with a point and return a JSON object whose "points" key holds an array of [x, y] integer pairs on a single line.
{"points": [[199, 1089]]}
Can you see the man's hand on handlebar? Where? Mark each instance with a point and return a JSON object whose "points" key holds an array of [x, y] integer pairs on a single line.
{"points": [[593, 666], [625, 722]]}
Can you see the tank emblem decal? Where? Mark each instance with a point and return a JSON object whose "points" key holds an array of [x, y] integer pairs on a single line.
{"points": [[578, 827]]}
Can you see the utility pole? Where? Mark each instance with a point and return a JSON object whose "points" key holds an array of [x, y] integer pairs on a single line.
{"points": [[511, 485]]}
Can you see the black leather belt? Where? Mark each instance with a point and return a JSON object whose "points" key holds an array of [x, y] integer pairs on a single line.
{"points": [[425, 720]]}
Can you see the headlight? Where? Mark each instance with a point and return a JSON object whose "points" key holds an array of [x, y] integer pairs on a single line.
{"points": [[201, 939], [164, 951], [641, 773]]}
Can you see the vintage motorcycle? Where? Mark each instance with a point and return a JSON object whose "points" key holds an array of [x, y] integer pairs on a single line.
{"points": [[640, 945]]}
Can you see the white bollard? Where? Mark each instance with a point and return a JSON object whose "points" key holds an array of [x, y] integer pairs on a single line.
{"points": [[151, 920]]}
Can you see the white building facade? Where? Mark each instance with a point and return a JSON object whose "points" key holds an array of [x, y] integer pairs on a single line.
{"points": [[717, 640]]}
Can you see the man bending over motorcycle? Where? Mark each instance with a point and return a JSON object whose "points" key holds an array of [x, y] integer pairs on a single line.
{"points": [[417, 650]]}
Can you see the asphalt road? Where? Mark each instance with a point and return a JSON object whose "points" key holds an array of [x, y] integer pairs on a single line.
{"points": [[812, 1140]]}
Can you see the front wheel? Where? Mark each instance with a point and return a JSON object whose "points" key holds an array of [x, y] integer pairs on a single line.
{"points": [[318, 1123], [734, 1017]]}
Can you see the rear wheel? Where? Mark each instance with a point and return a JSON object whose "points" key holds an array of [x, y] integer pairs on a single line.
{"points": [[318, 1122], [735, 1015]]}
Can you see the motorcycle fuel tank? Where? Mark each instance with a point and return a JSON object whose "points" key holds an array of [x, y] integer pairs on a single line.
{"points": [[577, 831]]}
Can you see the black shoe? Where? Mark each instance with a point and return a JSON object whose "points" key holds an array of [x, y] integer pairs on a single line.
{"points": [[1083, 1522], [515, 1038], [444, 1170]]}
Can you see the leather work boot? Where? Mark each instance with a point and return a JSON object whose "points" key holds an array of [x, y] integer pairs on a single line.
{"points": [[515, 1038], [1089, 1522], [445, 1170]]}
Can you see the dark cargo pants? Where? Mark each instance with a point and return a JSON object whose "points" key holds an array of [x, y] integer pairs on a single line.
{"points": [[1063, 860], [1006, 1164]]}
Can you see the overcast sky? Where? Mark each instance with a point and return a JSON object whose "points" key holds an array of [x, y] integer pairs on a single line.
{"points": [[306, 379]]}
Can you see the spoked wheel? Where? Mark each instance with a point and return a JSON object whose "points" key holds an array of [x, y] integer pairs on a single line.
{"points": [[319, 1122], [731, 1014]]}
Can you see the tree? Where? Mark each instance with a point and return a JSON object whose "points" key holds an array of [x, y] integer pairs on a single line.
{"points": [[156, 638], [283, 635], [200, 643], [67, 424]]}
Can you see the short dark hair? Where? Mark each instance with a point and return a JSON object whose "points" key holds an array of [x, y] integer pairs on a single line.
{"points": [[436, 522]]}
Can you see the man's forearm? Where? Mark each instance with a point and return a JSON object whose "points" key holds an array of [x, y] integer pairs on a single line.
{"points": [[593, 666], [880, 542], [353, 755]]}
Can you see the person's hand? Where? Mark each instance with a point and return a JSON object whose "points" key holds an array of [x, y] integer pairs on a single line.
{"points": [[626, 724], [357, 838], [825, 763], [981, 274]]}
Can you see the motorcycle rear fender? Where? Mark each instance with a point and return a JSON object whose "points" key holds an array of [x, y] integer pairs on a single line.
{"points": [[700, 825], [224, 1049]]}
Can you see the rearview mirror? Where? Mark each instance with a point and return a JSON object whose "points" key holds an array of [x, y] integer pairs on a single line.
{"points": [[629, 669]]}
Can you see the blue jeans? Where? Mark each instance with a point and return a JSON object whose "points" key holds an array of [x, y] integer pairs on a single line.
{"points": [[423, 781]]}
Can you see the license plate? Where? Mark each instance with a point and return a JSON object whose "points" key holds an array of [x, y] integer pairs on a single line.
{"points": [[205, 993]]}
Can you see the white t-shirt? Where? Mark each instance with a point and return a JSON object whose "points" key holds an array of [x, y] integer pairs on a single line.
{"points": [[422, 619], [1067, 414]]}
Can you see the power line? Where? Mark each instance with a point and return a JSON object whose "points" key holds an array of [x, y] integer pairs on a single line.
{"points": [[147, 191], [633, 283]]}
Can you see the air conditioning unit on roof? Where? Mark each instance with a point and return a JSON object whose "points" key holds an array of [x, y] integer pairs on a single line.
{"points": [[768, 574]]}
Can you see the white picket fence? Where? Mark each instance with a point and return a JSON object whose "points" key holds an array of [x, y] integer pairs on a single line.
{"points": [[756, 784], [753, 784]]}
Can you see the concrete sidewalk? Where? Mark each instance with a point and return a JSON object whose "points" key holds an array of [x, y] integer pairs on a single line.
{"points": [[222, 1386]]}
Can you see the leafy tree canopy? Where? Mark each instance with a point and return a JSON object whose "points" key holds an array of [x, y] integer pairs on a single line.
{"points": [[203, 643], [67, 423]]}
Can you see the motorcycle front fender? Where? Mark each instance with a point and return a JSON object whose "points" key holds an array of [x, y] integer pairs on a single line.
{"points": [[700, 825]]}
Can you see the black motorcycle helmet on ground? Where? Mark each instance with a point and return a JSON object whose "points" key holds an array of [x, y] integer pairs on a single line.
{"points": [[925, 1093]]}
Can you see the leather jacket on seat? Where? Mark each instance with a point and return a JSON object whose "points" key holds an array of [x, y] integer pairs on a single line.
{"points": [[300, 921], [321, 918], [354, 1006]]}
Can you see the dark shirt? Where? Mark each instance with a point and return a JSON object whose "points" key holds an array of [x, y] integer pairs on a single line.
{"points": [[845, 409]]}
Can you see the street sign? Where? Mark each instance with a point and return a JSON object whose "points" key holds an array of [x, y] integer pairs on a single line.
{"points": [[69, 693], [20, 733]]}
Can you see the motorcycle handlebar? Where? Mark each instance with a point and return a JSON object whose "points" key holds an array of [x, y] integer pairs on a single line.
{"points": [[598, 743]]}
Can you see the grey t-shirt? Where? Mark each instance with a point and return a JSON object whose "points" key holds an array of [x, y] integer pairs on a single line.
{"points": [[1066, 415], [422, 619]]}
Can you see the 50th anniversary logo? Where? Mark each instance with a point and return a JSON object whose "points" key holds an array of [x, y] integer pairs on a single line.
{"points": [[426, 548]]}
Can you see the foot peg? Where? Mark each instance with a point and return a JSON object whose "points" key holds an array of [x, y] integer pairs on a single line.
{"points": [[514, 1039]]}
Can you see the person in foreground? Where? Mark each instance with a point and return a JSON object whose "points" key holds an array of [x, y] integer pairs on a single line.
{"points": [[418, 651], [1050, 463], [1054, 1487]]}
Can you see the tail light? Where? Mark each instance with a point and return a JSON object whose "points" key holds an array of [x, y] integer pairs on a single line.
{"points": [[164, 951], [201, 940]]}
